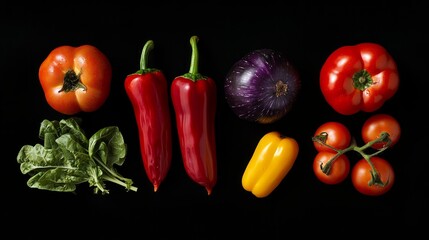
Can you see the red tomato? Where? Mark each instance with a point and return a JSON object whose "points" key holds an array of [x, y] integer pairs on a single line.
{"points": [[75, 79], [376, 124], [361, 176], [359, 77], [338, 136], [339, 170]]}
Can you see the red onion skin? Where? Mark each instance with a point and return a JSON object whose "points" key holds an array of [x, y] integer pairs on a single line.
{"points": [[262, 86]]}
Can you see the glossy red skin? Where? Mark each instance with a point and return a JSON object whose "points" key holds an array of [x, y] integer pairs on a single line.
{"points": [[148, 93], [360, 176], [336, 78], [95, 73], [195, 106], [340, 169], [339, 137], [376, 124]]}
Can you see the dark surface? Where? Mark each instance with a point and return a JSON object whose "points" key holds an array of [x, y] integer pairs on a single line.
{"points": [[301, 204]]}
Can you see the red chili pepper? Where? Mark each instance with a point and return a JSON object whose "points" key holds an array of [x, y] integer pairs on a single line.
{"points": [[194, 100], [147, 90]]}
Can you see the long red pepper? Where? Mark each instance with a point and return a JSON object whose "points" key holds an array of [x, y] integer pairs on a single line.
{"points": [[194, 101], [147, 90]]}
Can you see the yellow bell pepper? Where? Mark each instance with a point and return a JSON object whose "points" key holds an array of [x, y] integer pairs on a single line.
{"points": [[274, 156]]}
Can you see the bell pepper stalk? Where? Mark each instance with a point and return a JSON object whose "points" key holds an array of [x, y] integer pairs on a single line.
{"points": [[271, 161], [359, 78], [147, 90], [194, 101]]}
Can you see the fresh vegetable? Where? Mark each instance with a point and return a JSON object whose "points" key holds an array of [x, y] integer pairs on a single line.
{"points": [[373, 180], [338, 171], [68, 158], [334, 134], [194, 101], [379, 123], [262, 86], [333, 167], [272, 159], [359, 78], [75, 79], [147, 90]]}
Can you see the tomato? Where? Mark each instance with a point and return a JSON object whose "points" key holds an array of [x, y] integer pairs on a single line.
{"points": [[75, 79], [376, 124], [338, 136], [339, 171], [356, 78], [361, 176]]}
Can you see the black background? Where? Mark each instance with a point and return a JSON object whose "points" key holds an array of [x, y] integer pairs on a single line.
{"points": [[305, 33]]}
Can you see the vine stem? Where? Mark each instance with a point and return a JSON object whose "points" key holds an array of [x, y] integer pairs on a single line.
{"points": [[384, 137]]}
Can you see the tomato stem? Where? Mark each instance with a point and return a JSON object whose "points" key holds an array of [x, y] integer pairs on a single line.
{"points": [[375, 176], [326, 169], [384, 137], [362, 80], [72, 82]]}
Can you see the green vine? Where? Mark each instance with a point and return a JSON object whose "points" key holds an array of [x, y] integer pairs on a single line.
{"points": [[362, 150]]}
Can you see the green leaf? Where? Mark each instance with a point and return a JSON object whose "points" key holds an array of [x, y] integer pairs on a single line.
{"points": [[68, 158], [49, 127], [67, 141], [38, 158], [71, 126], [58, 179], [49, 141], [95, 179], [101, 154], [112, 138]]}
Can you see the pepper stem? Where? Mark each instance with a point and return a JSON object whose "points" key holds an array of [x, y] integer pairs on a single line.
{"points": [[149, 45], [145, 53], [193, 69], [193, 73]]}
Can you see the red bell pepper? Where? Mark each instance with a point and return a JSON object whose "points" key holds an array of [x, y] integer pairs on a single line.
{"points": [[359, 78], [194, 100], [147, 90]]}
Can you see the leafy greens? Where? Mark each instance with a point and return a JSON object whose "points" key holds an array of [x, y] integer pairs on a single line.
{"points": [[68, 158]]}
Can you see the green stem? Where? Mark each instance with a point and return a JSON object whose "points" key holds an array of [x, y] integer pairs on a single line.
{"points": [[98, 184], [326, 169], [145, 53], [384, 137], [126, 184], [193, 73], [193, 69], [375, 176], [72, 82], [362, 80], [125, 181], [144, 58]]}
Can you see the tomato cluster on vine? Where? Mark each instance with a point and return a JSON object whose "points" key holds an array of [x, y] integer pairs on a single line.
{"points": [[371, 175]]}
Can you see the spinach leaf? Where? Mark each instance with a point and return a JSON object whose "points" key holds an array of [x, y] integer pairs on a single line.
{"points": [[68, 158], [108, 141]]}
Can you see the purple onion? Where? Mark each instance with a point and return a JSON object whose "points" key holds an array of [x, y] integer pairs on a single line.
{"points": [[262, 86]]}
